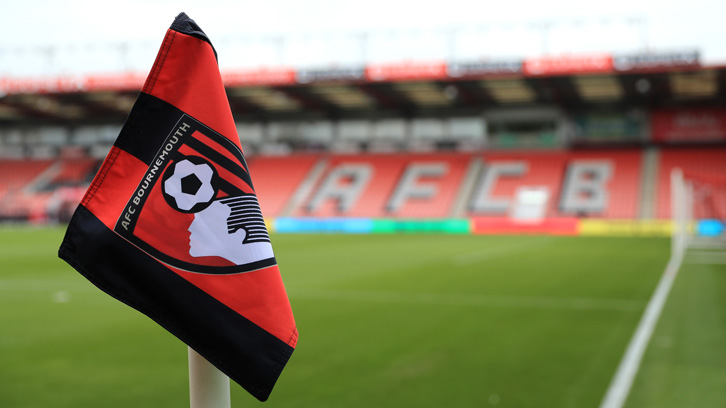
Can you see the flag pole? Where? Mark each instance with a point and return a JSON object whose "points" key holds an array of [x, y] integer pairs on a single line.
{"points": [[208, 387]]}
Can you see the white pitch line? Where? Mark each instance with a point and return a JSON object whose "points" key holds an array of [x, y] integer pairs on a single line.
{"points": [[621, 383]]}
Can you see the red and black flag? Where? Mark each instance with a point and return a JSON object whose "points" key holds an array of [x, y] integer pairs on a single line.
{"points": [[172, 227]]}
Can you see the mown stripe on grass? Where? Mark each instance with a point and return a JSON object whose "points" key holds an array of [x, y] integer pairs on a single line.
{"points": [[494, 251], [36, 285], [453, 299]]}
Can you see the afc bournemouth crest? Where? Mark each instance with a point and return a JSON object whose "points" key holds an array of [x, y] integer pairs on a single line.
{"points": [[195, 208]]}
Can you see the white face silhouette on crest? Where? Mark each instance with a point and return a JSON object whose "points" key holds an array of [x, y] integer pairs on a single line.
{"points": [[218, 231]]}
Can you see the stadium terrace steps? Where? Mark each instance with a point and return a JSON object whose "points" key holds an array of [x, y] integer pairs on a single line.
{"points": [[304, 188], [467, 187], [648, 183]]}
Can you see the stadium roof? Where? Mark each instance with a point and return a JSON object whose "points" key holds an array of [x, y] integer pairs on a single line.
{"points": [[409, 89]]}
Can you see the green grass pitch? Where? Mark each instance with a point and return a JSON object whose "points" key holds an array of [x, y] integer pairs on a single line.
{"points": [[386, 321]]}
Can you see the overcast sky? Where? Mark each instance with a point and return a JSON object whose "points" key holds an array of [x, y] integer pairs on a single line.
{"points": [[86, 33]]}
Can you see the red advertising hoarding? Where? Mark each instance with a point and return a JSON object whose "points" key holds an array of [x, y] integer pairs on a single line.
{"points": [[689, 125], [15, 85], [259, 76], [502, 225], [406, 71], [129, 81], [568, 64]]}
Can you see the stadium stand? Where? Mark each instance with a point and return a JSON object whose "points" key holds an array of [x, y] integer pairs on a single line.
{"points": [[597, 184], [457, 140], [605, 184]]}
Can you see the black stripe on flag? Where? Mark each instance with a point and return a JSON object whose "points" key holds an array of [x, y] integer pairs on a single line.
{"points": [[246, 215], [220, 159], [242, 350]]}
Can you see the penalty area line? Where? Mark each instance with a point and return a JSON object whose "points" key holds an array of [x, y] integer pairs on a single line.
{"points": [[622, 381]]}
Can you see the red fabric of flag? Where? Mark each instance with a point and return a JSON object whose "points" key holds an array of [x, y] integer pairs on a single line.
{"points": [[172, 227]]}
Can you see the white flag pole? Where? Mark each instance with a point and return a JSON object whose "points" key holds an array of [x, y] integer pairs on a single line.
{"points": [[208, 387]]}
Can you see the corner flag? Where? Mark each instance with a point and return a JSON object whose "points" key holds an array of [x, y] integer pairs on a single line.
{"points": [[171, 224]]}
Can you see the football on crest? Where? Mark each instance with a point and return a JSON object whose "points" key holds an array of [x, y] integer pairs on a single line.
{"points": [[188, 184]]}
